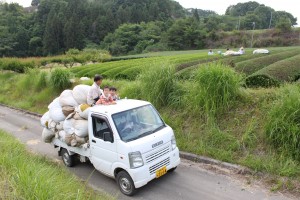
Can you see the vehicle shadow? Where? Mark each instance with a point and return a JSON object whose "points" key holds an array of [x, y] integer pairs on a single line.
{"points": [[100, 182]]}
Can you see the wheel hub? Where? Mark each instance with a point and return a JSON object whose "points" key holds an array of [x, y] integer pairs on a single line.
{"points": [[125, 185], [65, 157]]}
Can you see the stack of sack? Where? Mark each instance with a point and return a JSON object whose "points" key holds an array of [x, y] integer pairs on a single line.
{"points": [[67, 117]]}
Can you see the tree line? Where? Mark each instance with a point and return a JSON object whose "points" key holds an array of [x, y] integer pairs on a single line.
{"points": [[52, 27]]}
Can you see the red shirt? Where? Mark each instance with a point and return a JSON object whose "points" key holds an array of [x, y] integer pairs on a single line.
{"points": [[105, 100]]}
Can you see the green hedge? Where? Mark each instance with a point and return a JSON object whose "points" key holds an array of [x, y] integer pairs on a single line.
{"points": [[16, 65], [251, 66], [261, 80], [287, 70]]}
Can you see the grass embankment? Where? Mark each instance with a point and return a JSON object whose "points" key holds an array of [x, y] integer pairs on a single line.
{"points": [[24, 175]]}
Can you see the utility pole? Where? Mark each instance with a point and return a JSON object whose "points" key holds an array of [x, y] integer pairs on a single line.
{"points": [[271, 20], [253, 23], [239, 22]]}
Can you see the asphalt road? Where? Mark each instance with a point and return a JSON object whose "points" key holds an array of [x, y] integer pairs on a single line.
{"points": [[189, 181]]}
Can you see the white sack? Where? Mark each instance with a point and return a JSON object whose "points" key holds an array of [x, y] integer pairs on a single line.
{"points": [[55, 111], [59, 126], [80, 93], [69, 126], [261, 51], [232, 53], [44, 120], [81, 128], [83, 110], [47, 135], [84, 78], [66, 99], [67, 110], [62, 135]]}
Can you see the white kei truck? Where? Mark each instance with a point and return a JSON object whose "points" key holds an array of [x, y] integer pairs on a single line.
{"points": [[128, 141]]}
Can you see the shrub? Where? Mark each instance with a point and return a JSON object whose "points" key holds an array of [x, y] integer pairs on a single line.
{"points": [[272, 75], [261, 80], [284, 70], [16, 65], [216, 88], [283, 123], [27, 81], [42, 81], [60, 79]]}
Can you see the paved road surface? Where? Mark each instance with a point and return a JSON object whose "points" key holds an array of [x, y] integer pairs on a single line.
{"points": [[188, 182]]}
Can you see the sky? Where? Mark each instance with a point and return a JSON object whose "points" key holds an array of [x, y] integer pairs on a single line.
{"points": [[220, 5]]}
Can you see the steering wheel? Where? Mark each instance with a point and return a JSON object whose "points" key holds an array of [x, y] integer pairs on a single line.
{"points": [[126, 130]]}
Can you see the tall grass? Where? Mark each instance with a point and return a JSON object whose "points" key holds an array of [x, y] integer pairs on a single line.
{"points": [[283, 125], [216, 88], [35, 177], [158, 84], [60, 79]]}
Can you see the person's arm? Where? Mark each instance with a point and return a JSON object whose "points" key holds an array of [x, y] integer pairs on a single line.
{"points": [[100, 101], [111, 100]]}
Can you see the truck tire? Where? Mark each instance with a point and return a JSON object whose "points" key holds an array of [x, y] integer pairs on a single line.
{"points": [[173, 169], [68, 159], [126, 183]]}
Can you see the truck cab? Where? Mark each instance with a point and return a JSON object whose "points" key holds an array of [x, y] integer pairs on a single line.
{"points": [[130, 142]]}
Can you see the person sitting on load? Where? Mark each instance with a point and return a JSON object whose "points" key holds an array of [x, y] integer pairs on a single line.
{"points": [[95, 91], [210, 53], [105, 98], [113, 93], [242, 51]]}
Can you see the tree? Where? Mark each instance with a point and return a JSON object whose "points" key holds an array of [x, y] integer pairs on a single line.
{"points": [[35, 46], [241, 9], [264, 14], [278, 15], [248, 21], [284, 24], [35, 2], [184, 34], [53, 40], [196, 15]]}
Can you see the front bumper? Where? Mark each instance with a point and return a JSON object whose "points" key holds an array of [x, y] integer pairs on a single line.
{"points": [[141, 176]]}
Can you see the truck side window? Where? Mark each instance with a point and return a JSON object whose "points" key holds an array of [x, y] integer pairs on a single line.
{"points": [[100, 126]]}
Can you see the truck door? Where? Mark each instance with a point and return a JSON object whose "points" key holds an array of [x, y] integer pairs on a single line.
{"points": [[103, 146]]}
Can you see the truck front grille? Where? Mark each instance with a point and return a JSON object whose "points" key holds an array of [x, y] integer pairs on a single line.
{"points": [[157, 154], [162, 163]]}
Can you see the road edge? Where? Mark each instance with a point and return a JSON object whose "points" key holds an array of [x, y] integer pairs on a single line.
{"points": [[185, 155]]}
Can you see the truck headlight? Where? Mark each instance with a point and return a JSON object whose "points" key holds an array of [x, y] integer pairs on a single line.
{"points": [[135, 159], [173, 142]]}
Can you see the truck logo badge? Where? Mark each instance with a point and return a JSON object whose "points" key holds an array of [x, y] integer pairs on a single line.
{"points": [[157, 144]]}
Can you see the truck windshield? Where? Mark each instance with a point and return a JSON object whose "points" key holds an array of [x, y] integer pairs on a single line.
{"points": [[137, 123]]}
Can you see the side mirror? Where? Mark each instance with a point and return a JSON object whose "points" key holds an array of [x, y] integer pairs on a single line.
{"points": [[107, 137]]}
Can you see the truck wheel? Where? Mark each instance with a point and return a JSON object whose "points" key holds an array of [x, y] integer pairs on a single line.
{"points": [[173, 169], [68, 159], [125, 183]]}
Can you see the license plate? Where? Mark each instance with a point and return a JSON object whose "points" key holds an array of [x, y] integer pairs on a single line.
{"points": [[160, 172]]}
